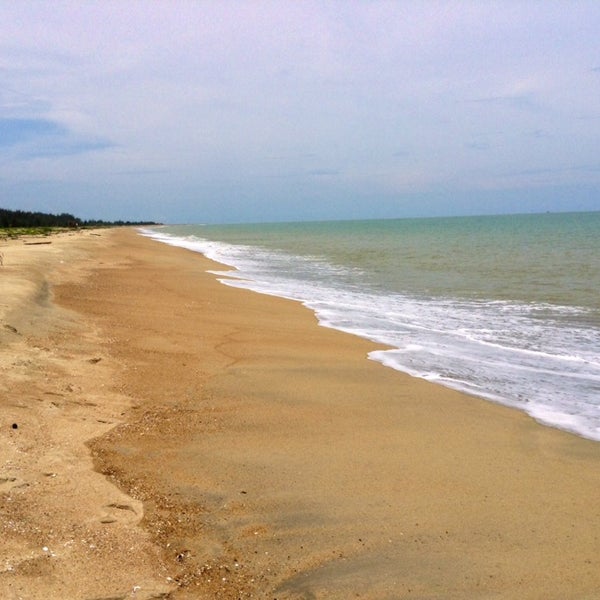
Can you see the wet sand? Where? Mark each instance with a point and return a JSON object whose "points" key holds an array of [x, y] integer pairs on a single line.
{"points": [[242, 451]]}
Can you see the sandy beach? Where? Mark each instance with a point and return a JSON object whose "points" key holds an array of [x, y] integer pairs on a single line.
{"points": [[166, 436]]}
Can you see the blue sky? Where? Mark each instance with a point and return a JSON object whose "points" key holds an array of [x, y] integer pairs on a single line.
{"points": [[263, 111]]}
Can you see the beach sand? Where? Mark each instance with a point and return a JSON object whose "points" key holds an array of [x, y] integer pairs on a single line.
{"points": [[242, 451]]}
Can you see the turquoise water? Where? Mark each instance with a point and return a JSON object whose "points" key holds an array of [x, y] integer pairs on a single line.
{"points": [[503, 307]]}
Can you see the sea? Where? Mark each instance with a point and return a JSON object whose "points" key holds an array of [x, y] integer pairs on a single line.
{"points": [[506, 308]]}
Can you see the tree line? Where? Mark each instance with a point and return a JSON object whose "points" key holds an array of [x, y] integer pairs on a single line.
{"points": [[24, 218]]}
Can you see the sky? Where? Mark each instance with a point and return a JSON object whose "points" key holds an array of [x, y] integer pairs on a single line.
{"points": [[221, 111]]}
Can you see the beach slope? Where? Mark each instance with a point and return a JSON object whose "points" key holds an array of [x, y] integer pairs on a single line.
{"points": [[243, 451]]}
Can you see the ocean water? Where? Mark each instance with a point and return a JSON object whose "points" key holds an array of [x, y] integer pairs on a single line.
{"points": [[502, 307]]}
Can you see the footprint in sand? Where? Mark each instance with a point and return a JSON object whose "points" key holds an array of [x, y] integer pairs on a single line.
{"points": [[119, 513], [10, 483]]}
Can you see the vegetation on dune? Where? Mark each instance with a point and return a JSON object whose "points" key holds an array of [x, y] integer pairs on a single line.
{"points": [[15, 223]]}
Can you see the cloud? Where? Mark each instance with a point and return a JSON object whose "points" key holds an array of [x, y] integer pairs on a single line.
{"points": [[477, 145], [174, 106], [517, 101], [587, 168], [538, 134], [324, 172]]}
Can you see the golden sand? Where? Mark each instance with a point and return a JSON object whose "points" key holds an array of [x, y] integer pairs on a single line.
{"points": [[242, 451]]}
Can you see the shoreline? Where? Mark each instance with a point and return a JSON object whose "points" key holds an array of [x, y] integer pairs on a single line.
{"points": [[523, 353], [273, 459]]}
